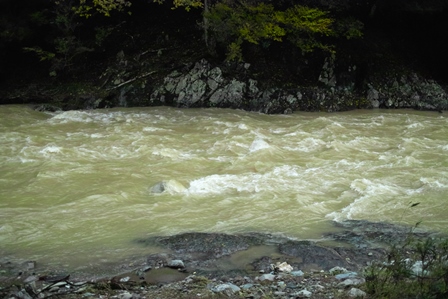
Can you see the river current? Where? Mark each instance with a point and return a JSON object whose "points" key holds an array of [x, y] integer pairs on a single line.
{"points": [[75, 186]]}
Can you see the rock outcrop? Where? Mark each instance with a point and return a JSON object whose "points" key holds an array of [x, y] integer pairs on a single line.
{"points": [[204, 85]]}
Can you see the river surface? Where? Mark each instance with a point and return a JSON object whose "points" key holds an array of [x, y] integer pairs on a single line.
{"points": [[75, 186]]}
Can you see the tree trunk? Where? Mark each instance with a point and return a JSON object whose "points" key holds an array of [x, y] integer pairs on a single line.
{"points": [[209, 42]]}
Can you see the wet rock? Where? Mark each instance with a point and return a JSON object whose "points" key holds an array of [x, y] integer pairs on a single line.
{"points": [[210, 245], [366, 234], [141, 271], [170, 186], [282, 267], [158, 260], [176, 264], [312, 254], [56, 278]]}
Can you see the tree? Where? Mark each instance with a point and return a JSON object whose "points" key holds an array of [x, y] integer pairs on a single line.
{"points": [[86, 8], [229, 23]]}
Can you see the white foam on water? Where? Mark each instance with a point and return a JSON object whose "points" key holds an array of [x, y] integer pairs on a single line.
{"points": [[436, 183], [344, 163], [155, 129], [97, 135], [415, 126], [369, 193], [280, 178], [72, 116], [258, 144], [116, 117], [50, 149], [307, 145], [172, 154], [224, 183], [25, 160], [409, 161]]}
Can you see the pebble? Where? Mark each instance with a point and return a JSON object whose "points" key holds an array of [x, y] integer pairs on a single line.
{"points": [[226, 286], [283, 267], [356, 293], [297, 273], [30, 279], [346, 275], [59, 284], [31, 265], [351, 282], [23, 295], [337, 270], [125, 295], [304, 294], [247, 286]]}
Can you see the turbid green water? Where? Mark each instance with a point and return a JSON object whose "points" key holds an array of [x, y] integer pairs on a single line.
{"points": [[74, 186]]}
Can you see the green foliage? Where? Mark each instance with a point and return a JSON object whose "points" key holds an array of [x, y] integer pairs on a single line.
{"points": [[302, 26], [234, 52], [43, 55], [262, 24], [87, 8], [101, 34], [350, 28], [67, 21], [187, 4], [417, 269]]}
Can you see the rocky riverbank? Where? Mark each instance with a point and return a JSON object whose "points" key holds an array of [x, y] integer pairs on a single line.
{"points": [[209, 265], [202, 84]]}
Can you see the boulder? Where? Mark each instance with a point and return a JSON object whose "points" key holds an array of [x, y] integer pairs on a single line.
{"points": [[170, 186]]}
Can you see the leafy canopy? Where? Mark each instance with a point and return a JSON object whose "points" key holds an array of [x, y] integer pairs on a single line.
{"points": [[86, 8], [263, 24]]}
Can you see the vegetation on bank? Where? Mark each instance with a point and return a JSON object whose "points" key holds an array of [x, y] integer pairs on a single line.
{"points": [[417, 269], [72, 29], [49, 43]]}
